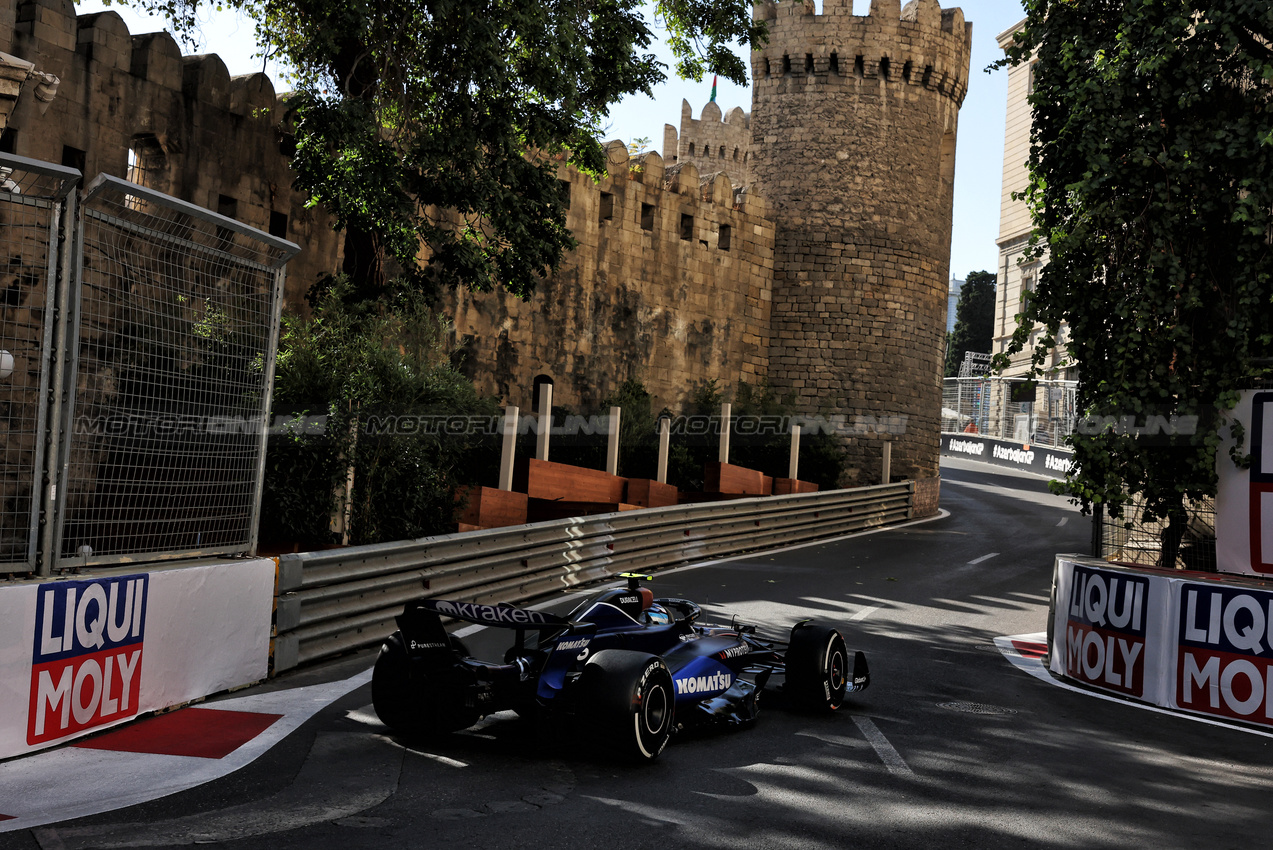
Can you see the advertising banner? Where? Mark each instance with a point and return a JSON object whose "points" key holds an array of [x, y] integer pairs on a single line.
{"points": [[1224, 651], [1109, 631], [83, 654], [1043, 460], [1244, 499]]}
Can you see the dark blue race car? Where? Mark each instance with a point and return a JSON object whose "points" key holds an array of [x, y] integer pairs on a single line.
{"points": [[623, 666]]}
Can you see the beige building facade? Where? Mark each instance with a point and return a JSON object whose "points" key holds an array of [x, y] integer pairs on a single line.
{"points": [[1018, 272]]}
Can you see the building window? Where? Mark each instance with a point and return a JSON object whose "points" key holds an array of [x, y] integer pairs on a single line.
{"points": [[278, 224], [74, 158], [687, 226], [147, 166], [723, 238], [647, 216], [607, 206], [563, 188]]}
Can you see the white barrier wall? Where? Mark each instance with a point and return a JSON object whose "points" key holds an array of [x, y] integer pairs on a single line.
{"points": [[78, 655], [1198, 644]]}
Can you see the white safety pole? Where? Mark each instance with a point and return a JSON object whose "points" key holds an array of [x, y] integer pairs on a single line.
{"points": [[510, 446], [888, 460], [793, 465], [724, 433], [664, 432], [612, 447], [545, 420]]}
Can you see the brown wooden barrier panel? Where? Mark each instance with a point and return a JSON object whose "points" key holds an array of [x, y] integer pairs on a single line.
{"points": [[735, 480], [489, 507], [788, 486], [543, 479], [649, 493]]}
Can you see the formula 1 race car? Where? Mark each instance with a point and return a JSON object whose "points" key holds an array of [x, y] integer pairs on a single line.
{"points": [[623, 666]]}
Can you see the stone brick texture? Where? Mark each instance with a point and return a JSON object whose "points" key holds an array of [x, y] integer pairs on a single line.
{"points": [[853, 122], [815, 259]]}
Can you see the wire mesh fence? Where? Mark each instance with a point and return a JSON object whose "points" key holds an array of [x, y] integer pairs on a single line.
{"points": [[1035, 412], [1132, 539], [32, 196], [172, 359]]}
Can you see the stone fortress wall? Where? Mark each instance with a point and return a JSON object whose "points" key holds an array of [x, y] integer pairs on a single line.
{"points": [[711, 143], [817, 259]]}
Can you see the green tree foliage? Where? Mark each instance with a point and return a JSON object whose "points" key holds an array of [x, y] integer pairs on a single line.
{"points": [[1151, 188], [367, 389], [441, 123], [974, 320]]}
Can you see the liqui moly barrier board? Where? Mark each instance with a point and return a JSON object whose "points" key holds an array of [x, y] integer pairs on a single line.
{"points": [[1108, 629], [1244, 498], [82, 654], [1224, 651], [1200, 646]]}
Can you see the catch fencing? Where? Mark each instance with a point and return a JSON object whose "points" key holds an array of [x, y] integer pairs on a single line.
{"points": [[340, 600], [143, 408], [1030, 412]]}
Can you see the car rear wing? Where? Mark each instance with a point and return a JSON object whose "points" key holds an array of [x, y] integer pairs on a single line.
{"points": [[501, 616]]}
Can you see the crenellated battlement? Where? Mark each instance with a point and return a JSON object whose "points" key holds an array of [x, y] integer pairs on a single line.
{"points": [[920, 45], [712, 142], [133, 106]]}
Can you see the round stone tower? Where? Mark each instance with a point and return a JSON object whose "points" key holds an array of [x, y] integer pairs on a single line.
{"points": [[853, 148]]}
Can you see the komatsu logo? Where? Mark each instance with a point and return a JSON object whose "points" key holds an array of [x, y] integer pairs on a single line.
{"points": [[489, 613], [704, 684], [86, 663], [573, 644]]}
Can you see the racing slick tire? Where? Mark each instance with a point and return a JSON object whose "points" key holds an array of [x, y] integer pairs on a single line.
{"points": [[403, 699], [818, 668], [627, 700]]}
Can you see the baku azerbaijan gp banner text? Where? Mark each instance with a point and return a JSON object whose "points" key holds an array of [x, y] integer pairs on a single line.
{"points": [[82, 654], [1244, 498], [1202, 646], [1043, 460]]}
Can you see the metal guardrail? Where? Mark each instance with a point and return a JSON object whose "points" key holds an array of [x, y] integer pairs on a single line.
{"points": [[339, 600]]}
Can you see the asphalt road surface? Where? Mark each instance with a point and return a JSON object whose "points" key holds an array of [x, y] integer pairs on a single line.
{"points": [[951, 746]]}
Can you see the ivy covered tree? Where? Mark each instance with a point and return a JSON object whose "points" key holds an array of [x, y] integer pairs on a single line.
{"points": [[1151, 188], [432, 129], [974, 320]]}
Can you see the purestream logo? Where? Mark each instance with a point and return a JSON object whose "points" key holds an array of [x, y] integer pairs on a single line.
{"points": [[87, 659]]}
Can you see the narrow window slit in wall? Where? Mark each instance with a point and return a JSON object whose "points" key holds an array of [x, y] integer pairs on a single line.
{"points": [[723, 239], [647, 216], [687, 226], [607, 206]]}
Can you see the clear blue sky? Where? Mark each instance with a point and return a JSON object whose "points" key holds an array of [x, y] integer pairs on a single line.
{"points": [[978, 158]]}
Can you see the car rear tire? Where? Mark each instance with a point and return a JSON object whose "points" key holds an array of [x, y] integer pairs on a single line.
{"points": [[406, 700], [818, 667], [627, 700]]}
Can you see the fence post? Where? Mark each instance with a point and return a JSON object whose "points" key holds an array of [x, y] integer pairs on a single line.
{"points": [[509, 448], [724, 433], [1098, 530], [612, 444], [545, 420], [664, 429]]}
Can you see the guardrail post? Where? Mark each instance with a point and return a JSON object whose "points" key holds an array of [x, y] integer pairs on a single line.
{"points": [[887, 472], [612, 446], [509, 448]]}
